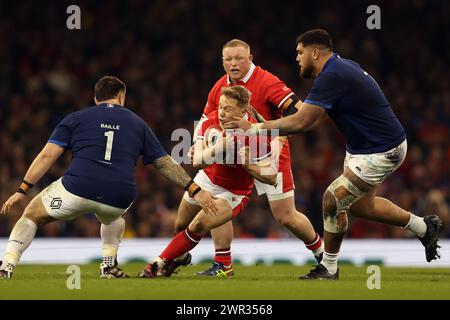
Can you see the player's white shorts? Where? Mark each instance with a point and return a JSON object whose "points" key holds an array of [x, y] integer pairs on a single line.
{"points": [[374, 168], [63, 205], [236, 201], [284, 188]]}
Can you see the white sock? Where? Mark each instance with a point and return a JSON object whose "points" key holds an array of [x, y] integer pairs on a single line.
{"points": [[19, 240], [329, 261], [416, 225], [319, 250], [111, 235], [161, 262]]}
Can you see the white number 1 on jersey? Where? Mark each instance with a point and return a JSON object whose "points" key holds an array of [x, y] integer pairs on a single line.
{"points": [[109, 142]]}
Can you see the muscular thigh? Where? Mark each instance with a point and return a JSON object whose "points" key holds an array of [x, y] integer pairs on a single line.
{"points": [[36, 212], [283, 207], [224, 215], [186, 213]]}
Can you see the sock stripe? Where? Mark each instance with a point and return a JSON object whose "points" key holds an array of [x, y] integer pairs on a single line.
{"points": [[315, 244], [331, 255], [223, 252], [191, 236]]}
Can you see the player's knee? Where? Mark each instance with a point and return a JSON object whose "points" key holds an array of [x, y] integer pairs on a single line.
{"points": [[284, 215], [178, 227], [38, 221], [340, 196], [199, 226], [328, 204], [334, 210]]}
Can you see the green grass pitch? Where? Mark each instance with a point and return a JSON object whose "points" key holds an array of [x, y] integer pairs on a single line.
{"points": [[266, 282]]}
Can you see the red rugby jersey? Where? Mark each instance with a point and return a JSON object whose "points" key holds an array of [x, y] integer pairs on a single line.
{"points": [[268, 95], [232, 177]]}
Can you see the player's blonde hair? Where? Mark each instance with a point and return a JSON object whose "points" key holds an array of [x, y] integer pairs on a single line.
{"points": [[238, 93], [236, 43]]}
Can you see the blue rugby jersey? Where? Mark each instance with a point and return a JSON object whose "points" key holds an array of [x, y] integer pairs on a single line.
{"points": [[355, 102], [106, 142]]}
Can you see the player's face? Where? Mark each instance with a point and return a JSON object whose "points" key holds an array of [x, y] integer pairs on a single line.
{"points": [[305, 61], [236, 62], [228, 109]]}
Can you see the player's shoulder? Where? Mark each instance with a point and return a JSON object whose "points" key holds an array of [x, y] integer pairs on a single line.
{"points": [[337, 67], [331, 74], [262, 73], [83, 112], [265, 77]]}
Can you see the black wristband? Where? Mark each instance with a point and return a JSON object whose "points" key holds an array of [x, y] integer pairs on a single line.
{"points": [[29, 185], [189, 184], [196, 191], [20, 190]]}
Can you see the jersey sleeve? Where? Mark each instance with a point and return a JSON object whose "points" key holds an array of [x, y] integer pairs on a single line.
{"points": [[62, 133], [277, 91], [326, 90], [152, 147]]}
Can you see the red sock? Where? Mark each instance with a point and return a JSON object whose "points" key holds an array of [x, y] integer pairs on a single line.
{"points": [[316, 244], [183, 242], [223, 256]]}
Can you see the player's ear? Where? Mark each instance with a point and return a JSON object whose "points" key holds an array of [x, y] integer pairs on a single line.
{"points": [[96, 101], [250, 57], [122, 97], [315, 53]]}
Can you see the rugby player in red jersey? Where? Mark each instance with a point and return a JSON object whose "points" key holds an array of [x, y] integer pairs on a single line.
{"points": [[271, 99], [229, 165]]}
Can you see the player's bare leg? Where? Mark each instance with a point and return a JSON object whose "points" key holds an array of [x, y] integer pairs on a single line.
{"points": [[187, 239], [379, 209], [223, 235], [286, 214], [23, 233], [186, 213], [350, 194], [297, 223], [222, 265]]}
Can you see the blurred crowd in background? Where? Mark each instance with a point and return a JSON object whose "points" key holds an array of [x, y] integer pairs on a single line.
{"points": [[169, 55]]}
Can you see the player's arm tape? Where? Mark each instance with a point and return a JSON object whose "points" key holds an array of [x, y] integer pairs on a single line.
{"points": [[291, 108], [25, 186], [192, 188]]}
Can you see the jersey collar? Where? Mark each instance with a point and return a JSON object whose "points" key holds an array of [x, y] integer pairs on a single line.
{"points": [[108, 105], [333, 57], [246, 77]]}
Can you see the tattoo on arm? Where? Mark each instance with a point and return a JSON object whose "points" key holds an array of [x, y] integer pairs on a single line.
{"points": [[170, 169]]}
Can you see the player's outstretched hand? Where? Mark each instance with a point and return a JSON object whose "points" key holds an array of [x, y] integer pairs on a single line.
{"points": [[206, 201], [239, 123], [14, 199]]}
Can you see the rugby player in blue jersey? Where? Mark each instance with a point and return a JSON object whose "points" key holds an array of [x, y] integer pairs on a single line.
{"points": [[106, 141], [375, 142]]}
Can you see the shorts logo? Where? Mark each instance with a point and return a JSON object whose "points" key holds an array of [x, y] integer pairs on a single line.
{"points": [[56, 203]]}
